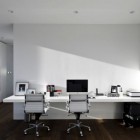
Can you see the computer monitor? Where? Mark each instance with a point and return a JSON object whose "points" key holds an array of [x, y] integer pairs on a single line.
{"points": [[79, 85]]}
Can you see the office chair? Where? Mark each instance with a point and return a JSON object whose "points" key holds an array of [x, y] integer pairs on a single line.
{"points": [[78, 104], [35, 105], [131, 115]]}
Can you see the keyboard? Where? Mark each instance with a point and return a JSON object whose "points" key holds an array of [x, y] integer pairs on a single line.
{"points": [[113, 95]]}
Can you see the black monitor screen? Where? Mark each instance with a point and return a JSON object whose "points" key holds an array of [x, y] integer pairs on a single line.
{"points": [[77, 85]]}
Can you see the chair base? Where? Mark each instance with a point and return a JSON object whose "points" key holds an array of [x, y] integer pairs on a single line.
{"points": [[36, 126], [79, 125]]}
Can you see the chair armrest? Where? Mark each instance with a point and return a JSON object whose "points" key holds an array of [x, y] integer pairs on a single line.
{"points": [[67, 106], [46, 106], [89, 105]]}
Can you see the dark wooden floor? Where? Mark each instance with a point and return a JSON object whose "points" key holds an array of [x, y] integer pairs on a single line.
{"points": [[101, 129]]}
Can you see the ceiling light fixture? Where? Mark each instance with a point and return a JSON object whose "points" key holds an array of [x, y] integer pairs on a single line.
{"points": [[11, 11], [75, 12], [132, 12]]}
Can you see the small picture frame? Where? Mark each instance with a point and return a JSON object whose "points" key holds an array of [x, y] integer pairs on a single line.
{"points": [[113, 89], [30, 91], [21, 88]]}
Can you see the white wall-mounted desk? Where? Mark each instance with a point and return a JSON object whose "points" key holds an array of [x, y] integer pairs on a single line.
{"points": [[101, 106], [21, 99]]}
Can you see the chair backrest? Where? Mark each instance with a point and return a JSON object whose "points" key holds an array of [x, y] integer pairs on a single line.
{"points": [[78, 103], [34, 103]]}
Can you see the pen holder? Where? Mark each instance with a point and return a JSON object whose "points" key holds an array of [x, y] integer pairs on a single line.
{"points": [[51, 94]]}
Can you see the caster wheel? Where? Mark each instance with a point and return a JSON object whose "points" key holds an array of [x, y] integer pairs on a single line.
{"points": [[43, 124], [89, 129], [123, 123], [37, 134], [49, 129], [81, 134], [68, 132], [25, 133], [131, 126]]}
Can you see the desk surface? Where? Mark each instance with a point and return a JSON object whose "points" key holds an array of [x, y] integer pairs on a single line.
{"points": [[16, 99]]}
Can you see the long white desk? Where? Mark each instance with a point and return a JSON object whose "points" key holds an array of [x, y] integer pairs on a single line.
{"points": [[101, 107], [21, 99]]}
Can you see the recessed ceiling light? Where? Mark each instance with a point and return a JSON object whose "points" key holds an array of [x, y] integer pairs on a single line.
{"points": [[132, 12], [75, 12], [10, 11]]}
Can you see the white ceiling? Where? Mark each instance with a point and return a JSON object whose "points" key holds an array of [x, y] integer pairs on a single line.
{"points": [[62, 11]]}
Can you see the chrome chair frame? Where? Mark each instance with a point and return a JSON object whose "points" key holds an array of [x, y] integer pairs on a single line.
{"points": [[34, 105], [78, 112]]}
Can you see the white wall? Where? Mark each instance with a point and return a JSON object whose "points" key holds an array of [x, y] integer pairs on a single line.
{"points": [[36, 63], [6, 65], [104, 54]]}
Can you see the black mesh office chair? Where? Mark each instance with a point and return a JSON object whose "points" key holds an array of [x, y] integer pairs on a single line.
{"points": [[35, 105], [131, 115], [78, 104]]}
